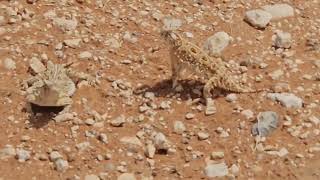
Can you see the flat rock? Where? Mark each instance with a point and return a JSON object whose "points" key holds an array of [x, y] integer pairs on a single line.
{"points": [[216, 170], [215, 44], [171, 23], [267, 123], [85, 55], [126, 176], [282, 40], [258, 18], [131, 140], [73, 43], [279, 11], [286, 99], [36, 65], [65, 24]]}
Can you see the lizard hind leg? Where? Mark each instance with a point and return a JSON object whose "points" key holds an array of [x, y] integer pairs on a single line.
{"points": [[211, 84]]}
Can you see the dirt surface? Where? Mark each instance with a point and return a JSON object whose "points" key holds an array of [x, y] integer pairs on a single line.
{"points": [[126, 124]]}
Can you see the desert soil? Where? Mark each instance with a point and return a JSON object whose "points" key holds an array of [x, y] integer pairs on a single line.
{"points": [[132, 124]]}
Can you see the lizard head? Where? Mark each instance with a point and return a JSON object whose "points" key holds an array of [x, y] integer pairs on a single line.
{"points": [[172, 37]]}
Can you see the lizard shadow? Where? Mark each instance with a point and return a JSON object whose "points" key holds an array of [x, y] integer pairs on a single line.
{"points": [[191, 89], [41, 116]]}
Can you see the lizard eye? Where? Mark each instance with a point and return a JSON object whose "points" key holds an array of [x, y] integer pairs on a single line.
{"points": [[193, 50]]}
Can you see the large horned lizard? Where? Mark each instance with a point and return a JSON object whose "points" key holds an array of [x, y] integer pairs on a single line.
{"points": [[54, 86], [185, 54]]}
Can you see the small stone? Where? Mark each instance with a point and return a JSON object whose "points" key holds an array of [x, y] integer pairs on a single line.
{"points": [[85, 55], [61, 165], [267, 122], [7, 152], [275, 75], [161, 142], [286, 99], [215, 44], [126, 176], [247, 113], [9, 64], [179, 127], [72, 43], [23, 155], [118, 121], [190, 116], [150, 151], [64, 117], [83, 146], [25, 138], [103, 138], [91, 177], [235, 169], [65, 24], [283, 152], [231, 97], [216, 170], [217, 155], [279, 11], [171, 23], [36, 65], [258, 18], [203, 135], [89, 122], [55, 155], [131, 140], [282, 40]]}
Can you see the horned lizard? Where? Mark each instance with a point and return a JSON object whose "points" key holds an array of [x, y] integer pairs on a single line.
{"points": [[215, 71], [54, 86]]}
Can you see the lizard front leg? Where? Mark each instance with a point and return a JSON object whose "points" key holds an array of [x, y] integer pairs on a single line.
{"points": [[176, 68], [211, 84]]}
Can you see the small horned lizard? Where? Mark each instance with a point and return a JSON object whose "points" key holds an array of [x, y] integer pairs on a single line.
{"points": [[186, 54], [54, 86]]}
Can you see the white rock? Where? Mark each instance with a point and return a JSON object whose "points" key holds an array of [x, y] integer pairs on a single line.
{"points": [[131, 140], [73, 43], [113, 43], [55, 155], [161, 142], [203, 135], [210, 107], [215, 44], [36, 65], [235, 169], [150, 151], [61, 165], [216, 170], [258, 18], [83, 146], [286, 99], [7, 152], [64, 117], [85, 55], [279, 10], [91, 177], [65, 24], [247, 113], [23, 155], [126, 176], [179, 127], [118, 121], [231, 97], [267, 123], [130, 37], [283, 152], [282, 40], [9, 64], [171, 23]]}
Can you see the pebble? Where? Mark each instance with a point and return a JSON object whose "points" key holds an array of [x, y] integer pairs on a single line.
{"points": [[279, 11], [267, 123], [72, 43], [216, 170], [215, 44], [83, 146], [126, 176], [85, 55], [7, 152], [203, 135], [283, 152], [103, 138], [64, 117], [247, 113], [9, 64], [231, 97], [118, 121], [171, 23], [61, 165], [91, 177], [65, 24], [131, 140], [150, 151], [23, 155], [161, 142], [217, 155], [25, 138], [235, 169], [36, 65], [258, 18], [288, 100], [179, 127], [190, 116], [282, 40], [90, 122], [55, 155]]}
